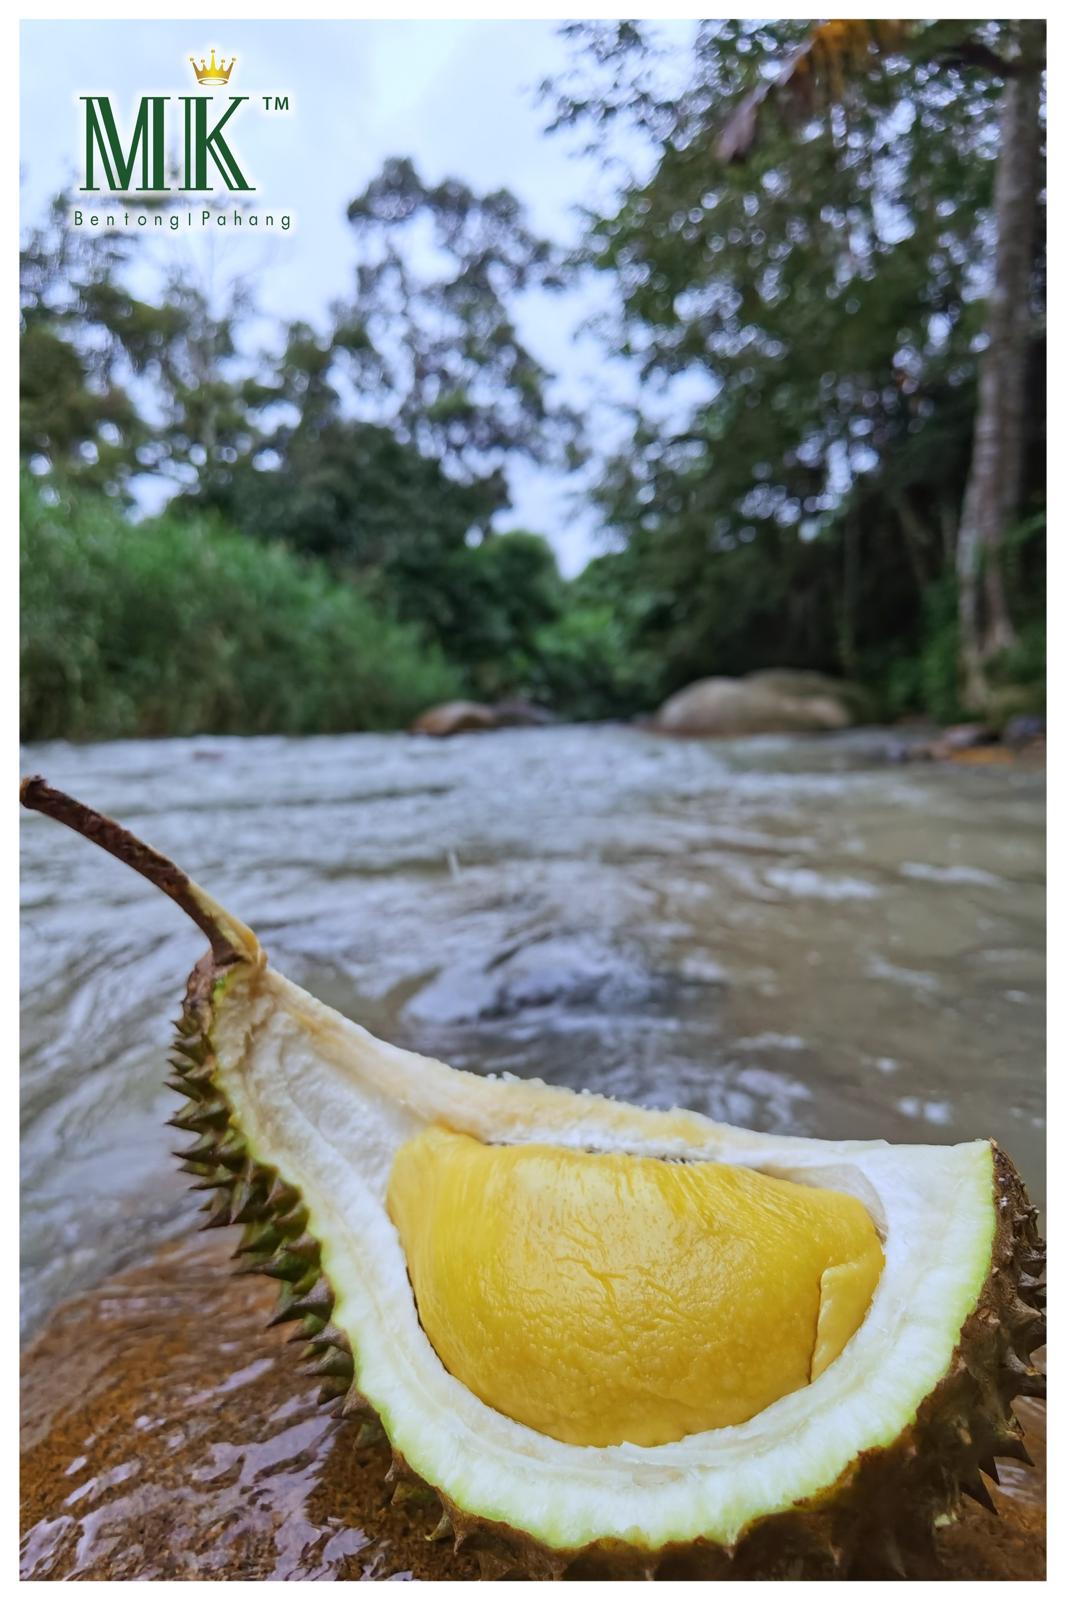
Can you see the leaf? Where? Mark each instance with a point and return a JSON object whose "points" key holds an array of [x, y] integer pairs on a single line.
{"points": [[816, 73]]}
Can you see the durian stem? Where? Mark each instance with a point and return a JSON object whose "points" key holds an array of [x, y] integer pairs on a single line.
{"points": [[230, 940]]}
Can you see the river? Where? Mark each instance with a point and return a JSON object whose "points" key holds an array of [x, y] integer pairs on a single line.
{"points": [[787, 933]]}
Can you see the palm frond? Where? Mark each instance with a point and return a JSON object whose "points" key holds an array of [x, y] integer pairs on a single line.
{"points": [[816, 75]]}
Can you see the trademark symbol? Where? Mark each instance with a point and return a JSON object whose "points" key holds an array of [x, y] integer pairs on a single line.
{"points": [[275, 102]]}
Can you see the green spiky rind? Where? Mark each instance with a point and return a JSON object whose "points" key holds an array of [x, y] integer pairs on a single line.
{"points": [[252, 1194], [880, 1517]]}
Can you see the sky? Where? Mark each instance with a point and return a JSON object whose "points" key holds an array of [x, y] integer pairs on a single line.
{"points": [[458, 97]]}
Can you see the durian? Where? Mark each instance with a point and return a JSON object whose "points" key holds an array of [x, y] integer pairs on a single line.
{"points": [[607, 1340]]}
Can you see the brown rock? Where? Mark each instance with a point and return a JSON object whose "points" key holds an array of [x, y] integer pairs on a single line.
{"points": [[1024, 731], [455, 716], [802, 685], [966, 736], [994, 755], [473, 716], [168, 1433], [732, 707], [961, 742]]}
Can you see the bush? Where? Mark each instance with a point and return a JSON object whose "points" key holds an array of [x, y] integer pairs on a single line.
{"points": [[924, 680], [928, 681], [177, 627], [586, 665]]}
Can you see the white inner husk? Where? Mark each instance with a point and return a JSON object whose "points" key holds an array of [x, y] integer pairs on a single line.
{"points": [[329, 1105]]}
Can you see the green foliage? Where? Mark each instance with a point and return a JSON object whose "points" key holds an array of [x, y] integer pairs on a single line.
{"points": [[391, 520], [1026, 663], [169, 380], [805, 327], [357, 496], [485, 605], [589, 659], [75, 415], [278, 445], [921, 675], [927, 679], [179, 627], [821, 302], [464, 386], [587, 664]]}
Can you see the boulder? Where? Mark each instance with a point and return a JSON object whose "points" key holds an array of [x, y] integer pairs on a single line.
{"points": [[732, 707], [474, 716], [803, 685], [455, 716]]}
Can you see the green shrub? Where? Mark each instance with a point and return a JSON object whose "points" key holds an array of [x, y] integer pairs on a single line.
{"points": [[588, 667], [1026, 663], [174, 627], [925, 680]]}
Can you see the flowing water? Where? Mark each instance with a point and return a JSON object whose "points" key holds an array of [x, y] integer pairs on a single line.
{"points": [[790, 934]]}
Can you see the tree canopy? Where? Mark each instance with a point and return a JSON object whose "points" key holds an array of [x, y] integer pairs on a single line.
{"points": [[825, 301], [836, 457]]}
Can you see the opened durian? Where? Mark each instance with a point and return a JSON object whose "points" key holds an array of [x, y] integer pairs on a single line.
{"points": [[610, 1340]]}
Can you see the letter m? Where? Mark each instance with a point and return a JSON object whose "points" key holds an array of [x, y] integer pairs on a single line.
{"points": [[102, 141]]}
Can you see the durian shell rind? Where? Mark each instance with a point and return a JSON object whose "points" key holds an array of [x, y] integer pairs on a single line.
{"points": [[878, 1519]]}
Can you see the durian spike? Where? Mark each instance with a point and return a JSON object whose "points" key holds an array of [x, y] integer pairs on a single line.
{"points": [[230, 940]]}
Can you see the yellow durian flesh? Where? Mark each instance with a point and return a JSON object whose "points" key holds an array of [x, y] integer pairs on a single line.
{"points": [[608, 1298]]}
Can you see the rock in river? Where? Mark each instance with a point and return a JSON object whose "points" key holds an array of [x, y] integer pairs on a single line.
{"points": [[763, 703], [455, 716], [473, 716]]}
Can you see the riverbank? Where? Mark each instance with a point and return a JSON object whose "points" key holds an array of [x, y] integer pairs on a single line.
{"points": [[155, 629]]}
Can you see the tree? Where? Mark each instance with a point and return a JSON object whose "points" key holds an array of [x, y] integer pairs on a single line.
{"points": [[994, 491], [390, 432], [203, 397], [114, 383], [1014, 54], [355, 494], [377, 445], [461, 383], [76, 415], [814, 278]]}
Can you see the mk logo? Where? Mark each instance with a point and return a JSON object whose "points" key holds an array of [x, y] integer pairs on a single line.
{"points": [[146, 152]]}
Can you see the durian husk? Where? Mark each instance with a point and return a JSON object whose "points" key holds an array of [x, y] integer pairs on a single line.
{"points": [[880, 1517]]}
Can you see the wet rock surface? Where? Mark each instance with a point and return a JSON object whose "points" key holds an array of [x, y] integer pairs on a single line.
{"points": [[167, 1433]]}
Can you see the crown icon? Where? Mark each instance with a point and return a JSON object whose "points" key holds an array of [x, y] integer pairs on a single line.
{"points": [[213, 72]]}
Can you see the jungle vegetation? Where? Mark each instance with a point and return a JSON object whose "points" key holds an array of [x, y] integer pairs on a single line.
{"points": [[832, 267]]}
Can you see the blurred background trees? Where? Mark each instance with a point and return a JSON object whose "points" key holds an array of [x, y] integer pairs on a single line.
{"points": [[836, 459], [824, 270]]}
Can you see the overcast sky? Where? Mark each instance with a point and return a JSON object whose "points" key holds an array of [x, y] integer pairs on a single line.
{"points": [[458, 97]]}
